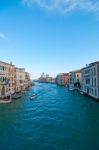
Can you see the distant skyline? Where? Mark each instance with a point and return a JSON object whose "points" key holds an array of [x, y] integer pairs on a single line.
{"points": [[52, 36]]}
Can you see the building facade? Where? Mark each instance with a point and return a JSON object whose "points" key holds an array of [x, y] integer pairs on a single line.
{"points": [[45, 78], [90, 80], [12, 79], [27, 80], [62, 79], [19, 78], [75, 79], [6, 79]]}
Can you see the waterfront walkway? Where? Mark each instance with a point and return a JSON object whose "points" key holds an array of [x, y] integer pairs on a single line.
{"points": [[6, 101]]}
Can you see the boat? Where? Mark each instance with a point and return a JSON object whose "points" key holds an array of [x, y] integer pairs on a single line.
{"points": [[71, 88], [17, 96], [33, 96], [81, 92], [24, 92]]}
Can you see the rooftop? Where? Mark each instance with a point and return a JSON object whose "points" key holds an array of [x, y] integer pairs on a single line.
{"points": [[10, 64], [91, 64]]}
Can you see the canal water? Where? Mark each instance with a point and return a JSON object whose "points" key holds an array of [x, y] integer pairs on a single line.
{"points": [[58, 119]]}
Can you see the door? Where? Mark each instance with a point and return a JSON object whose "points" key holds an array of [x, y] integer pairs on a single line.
{"points": [[3, 91]]}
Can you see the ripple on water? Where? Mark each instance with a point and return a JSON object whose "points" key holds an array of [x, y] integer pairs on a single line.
{"points": [[57, 120]]}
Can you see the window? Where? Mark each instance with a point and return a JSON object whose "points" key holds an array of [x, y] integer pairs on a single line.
{"points": [[91, 71], [77, 75], [87, 81], [95, 81], [94, 71], [92, 81], [95, 92], [92, 90], [3, 68], [87, 71], [3, 79]]}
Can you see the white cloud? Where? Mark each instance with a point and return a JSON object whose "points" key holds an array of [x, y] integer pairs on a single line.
{"points": [[3, 36], [66, 5]]}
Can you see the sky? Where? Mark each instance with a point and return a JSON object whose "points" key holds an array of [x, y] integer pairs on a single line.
{"points": [[51, 36]]}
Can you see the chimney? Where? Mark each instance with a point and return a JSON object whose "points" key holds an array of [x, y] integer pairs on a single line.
{"points": [[11, 63], [87, 65]]}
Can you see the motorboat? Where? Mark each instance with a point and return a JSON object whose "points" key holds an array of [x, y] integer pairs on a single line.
{"points": [[71, 88], [81, 92], [17, 96], [34, 96]]}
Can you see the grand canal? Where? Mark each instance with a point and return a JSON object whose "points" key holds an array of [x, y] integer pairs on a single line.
{"points": [[57, 120]]}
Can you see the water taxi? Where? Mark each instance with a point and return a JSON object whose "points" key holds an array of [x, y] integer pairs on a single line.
{"points": [[33, 96]]}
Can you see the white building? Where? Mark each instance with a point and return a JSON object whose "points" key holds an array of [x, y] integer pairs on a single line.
{"points": [[90, 80]]}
